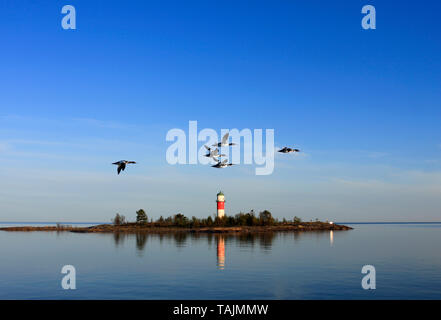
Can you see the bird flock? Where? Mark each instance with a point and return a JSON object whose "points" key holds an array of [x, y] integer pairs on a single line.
{"points": [[212, 153]]}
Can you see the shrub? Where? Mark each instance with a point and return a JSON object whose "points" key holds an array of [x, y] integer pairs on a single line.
{"points": [[119, 220]]}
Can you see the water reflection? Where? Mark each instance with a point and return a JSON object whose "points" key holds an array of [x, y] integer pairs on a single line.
{"points": [[264, 240], [118, 238], [180, 239], [221, 252], [298, 266], [141, 240]]}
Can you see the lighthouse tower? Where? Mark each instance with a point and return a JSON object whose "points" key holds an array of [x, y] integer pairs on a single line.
{"points": [[220, 205]]}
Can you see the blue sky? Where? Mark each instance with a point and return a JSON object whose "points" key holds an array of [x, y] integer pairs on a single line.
{"points": [[363, 105]]}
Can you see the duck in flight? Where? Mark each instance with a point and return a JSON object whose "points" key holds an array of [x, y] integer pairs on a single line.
{"points": [[224, 142], [288, 150], [213, 153], [122, 165], [223, 164]]}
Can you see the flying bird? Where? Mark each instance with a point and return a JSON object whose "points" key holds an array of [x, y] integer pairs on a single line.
{"points": [[224, 142], [213, 153], [288, 150], [122, 165], [223, 164]]}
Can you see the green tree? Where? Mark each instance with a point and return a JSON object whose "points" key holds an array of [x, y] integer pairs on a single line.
{"points": [[141, 216], [195, 222], [265, 218], [231, 221], [180, 220], [220, 222]]}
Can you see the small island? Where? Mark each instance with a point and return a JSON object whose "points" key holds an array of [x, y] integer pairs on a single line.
{"points": [[240, 223]]}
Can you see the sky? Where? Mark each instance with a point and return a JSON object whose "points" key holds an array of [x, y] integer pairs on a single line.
{"points": [[364, 106]]}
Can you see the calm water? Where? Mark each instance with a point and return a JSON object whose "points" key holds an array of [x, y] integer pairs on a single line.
{"points": [[42, 224], [314, 265]]}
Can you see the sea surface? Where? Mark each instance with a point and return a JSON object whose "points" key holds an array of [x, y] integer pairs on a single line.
{"points": [[308, 265]]}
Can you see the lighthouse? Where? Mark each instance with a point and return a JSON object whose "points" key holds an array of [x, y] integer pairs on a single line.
{"points": [[220, 205]]}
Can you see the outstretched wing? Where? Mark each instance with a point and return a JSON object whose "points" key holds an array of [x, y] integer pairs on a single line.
{"points": [[208, 148], [122, 166], [225, 138]]}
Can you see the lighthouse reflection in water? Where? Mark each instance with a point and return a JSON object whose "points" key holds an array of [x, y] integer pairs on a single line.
{"points": [[183, 240], [220, 252]]}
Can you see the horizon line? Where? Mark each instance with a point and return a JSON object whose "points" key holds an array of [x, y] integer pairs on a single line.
{"points": [[338, 222]]}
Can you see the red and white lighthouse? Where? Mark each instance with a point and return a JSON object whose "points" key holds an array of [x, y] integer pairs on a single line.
{"points": [[220, 205]]}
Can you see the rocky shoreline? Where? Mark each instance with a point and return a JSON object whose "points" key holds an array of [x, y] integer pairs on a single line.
{"points": [[139, 228]]}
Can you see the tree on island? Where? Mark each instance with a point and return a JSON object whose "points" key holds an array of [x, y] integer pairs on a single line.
{"points": [[119, 220], [195, 223], [180, 220], [250, 219], [266, 219], [141, 216]]}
